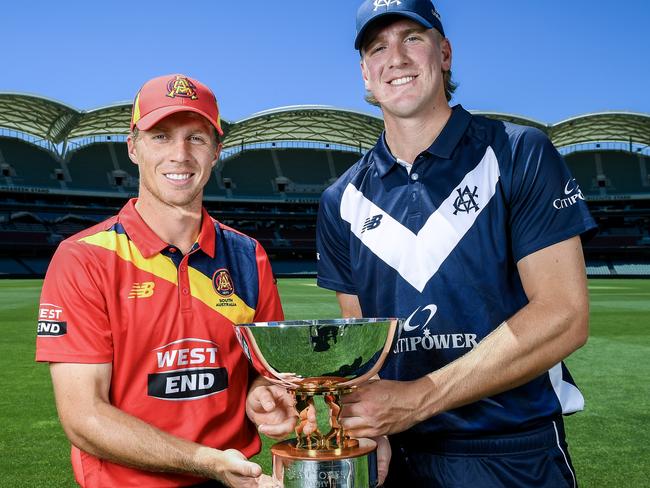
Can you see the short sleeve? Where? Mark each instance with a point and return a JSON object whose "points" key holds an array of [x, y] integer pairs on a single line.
{"points": [[547, 205], [73, 324], [269, 307], [332, 246]]}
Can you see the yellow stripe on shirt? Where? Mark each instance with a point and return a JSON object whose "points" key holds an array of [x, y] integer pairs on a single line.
{"points": [[158, 265]]}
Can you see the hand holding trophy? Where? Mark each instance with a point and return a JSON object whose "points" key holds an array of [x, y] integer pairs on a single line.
{"points": [[320, 358]]}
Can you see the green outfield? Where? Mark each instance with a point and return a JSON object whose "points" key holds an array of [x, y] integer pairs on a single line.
{"points": [[610, 440]]}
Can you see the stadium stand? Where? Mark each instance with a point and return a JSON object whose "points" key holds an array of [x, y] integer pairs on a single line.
{"points": [[249, 173], [343, 160], [30, 165], [305, 168], [622, 172], [67, 170], [93, 167], [583, 167]]}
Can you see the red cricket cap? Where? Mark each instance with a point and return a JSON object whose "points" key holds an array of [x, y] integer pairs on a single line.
{"points": [[160, 97]]}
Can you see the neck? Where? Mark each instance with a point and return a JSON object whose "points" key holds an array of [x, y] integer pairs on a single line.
{"points": [[177, 226], [407, 137]]}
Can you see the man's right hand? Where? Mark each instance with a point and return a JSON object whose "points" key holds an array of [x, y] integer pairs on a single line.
{"points": [[272, 409]]}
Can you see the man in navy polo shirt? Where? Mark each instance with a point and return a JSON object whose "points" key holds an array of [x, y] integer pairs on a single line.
{"points": [[452, 222]]}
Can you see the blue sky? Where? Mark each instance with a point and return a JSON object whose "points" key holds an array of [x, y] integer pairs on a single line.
{"points": [[547, 60]]}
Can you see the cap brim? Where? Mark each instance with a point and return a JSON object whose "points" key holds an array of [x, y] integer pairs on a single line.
{"points": [[409, 15], [155, 116]]}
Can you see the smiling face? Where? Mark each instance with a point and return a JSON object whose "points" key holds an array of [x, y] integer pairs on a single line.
{"points": [[402, 66], [175, 158]]}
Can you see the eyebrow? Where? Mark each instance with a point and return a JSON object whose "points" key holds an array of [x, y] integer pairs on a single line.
{"points": [[403, 33]]}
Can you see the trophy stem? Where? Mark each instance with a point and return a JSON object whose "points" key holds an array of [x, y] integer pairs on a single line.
{"points": [[335, 438]]}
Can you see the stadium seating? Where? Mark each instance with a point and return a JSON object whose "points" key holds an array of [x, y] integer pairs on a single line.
{"points": [[583, 168], [270, 189], [11, 267], [33, 165], [623, 173], [304, 166], [632, 269], [91, 167], [252, 173], [343, 160], [598, 268]]}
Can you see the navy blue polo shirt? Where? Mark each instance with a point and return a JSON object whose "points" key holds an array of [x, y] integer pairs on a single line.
{"points": [[439, 247]]}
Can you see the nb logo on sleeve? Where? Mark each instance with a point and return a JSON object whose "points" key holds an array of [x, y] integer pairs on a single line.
{"points": [[142, 290], [371, 223]]}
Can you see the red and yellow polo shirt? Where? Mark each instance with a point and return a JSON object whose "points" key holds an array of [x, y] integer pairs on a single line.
{"points": [[117, 293]]}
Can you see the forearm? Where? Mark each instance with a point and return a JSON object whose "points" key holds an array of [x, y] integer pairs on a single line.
{"points": [[520, 349], [116, 436]]}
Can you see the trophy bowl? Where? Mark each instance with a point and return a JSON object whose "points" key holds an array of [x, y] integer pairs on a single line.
{"points": [[327, 359]]}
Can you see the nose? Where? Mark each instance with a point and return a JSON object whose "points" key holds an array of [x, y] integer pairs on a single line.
{"points": [[180, 150], [397, 56]]}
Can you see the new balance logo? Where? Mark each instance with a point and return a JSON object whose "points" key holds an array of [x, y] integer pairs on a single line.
{"points": [[371, 223], [142, 290]]}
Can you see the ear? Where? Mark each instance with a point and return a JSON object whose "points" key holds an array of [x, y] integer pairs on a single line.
{"points": [[130, 145], [446, 54], [364, 73], [216, 154]]}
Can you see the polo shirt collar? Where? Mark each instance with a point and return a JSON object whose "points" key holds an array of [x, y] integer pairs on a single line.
{"points": [[442, 147], [146, 240]]}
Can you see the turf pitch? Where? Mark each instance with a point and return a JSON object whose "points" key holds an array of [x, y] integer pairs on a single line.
{"points": [[609, 441]]}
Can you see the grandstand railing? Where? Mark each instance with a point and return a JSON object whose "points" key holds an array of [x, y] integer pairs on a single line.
{"points": [[44, 143], [633, 147], [231, 151], [87, 141]]}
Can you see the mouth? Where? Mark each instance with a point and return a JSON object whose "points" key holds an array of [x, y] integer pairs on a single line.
{"points": [[402, 81], [178, 178]]}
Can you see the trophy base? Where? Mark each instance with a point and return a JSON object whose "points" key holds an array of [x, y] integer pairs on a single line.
{"points": [[348, 467]]}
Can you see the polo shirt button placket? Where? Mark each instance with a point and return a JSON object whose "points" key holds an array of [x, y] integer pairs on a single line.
{"points": [[184, 284]]}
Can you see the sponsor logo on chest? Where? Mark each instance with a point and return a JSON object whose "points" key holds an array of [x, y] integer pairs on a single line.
{"points": [[187, 369], [420, 337]]}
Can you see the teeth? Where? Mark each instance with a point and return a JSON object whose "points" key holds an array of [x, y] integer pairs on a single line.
{"points": [[402, 81], [178, 176]]}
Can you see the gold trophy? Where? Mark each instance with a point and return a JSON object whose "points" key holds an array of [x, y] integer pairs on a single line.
{"points": [[318, 361]]}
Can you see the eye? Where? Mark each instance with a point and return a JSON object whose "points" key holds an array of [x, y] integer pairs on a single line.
{"points": [[197, 139], [159, 137], [412, 38]]}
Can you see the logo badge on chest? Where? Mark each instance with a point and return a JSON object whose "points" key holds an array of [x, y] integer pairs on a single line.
{"points": [[222, 283]]}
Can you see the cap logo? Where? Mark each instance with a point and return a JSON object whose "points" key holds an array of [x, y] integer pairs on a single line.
{"points": [[181, 87], [385, 3]]}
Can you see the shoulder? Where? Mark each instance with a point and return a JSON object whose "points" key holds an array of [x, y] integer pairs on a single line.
{"points": [[507, 136], [236, 237], [76, 243], [355, 174]]}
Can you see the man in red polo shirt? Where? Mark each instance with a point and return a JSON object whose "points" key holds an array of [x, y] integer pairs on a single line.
{"points": [[136, 315]]}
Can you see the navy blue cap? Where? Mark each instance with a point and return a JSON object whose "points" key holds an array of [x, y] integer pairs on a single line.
{"points": [[421, 11]]}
